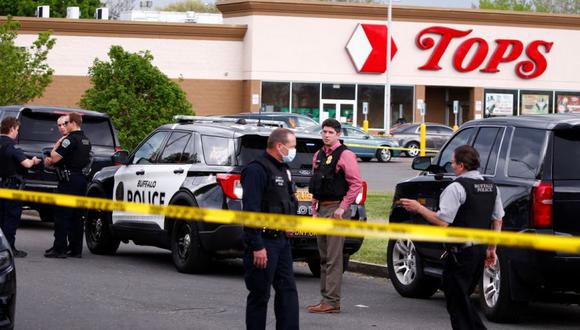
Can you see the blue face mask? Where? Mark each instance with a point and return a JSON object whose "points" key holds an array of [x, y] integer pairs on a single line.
{"points": [[291, 155]]}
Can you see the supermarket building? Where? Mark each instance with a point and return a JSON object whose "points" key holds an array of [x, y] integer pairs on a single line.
{"points": [[326, 59]]}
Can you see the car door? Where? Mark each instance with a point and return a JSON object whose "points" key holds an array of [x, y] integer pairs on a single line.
{"points": [[356, 138], [156, 172]]}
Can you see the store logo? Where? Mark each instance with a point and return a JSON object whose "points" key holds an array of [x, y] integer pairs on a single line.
{"points": [[368, 48], [532, 66]]}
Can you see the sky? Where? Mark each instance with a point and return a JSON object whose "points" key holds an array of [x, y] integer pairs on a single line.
{"points": [[429, 3]]}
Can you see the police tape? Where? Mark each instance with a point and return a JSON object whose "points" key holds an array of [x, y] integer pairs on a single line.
{"points": [[312, 225], [388, 147]]}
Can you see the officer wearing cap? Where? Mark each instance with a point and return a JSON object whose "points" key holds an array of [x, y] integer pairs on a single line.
{"points": [[14, 163], [471, 201], [268, 188], [70, 156]]}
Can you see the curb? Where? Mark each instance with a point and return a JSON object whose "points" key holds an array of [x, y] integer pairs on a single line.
{"points": [[368, 269]]}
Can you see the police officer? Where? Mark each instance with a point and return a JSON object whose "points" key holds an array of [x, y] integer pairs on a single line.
{"points": [[14, 163], [471, 201], [268, 188], [70, 155], [335, 184]]}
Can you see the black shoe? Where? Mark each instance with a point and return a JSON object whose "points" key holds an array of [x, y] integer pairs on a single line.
{"points": [[54, 254], [70, 254], [19, 254], [49, 250]]}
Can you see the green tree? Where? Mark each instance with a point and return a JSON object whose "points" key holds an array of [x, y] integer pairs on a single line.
{"points": [[135, 93], [24, 73], [192, 5], [546, 6], [57, 7]]}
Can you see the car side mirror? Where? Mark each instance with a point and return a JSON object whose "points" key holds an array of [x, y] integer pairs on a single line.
{"points": [[421, 163], [121, 157], [366, 137]]}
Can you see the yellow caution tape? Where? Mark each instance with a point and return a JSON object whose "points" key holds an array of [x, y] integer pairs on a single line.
{"points": [[385, 147], [309, 224]]}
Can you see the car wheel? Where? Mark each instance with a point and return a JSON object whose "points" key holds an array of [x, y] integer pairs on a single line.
{"points": [[414, 149], [314, 265], [98, 234], [495, 298], [406, 271], [186, 250], [365, 159], [384, 155]]}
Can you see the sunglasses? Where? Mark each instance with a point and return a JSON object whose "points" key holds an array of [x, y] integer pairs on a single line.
{"points": [[63, 124]]}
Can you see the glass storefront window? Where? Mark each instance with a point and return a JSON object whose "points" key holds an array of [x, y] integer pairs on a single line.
{"points": [[401, 105], [375, 96], [567, 102], [500, 102], [276, 96], [535, 102], [306, 99], [338, 91]]}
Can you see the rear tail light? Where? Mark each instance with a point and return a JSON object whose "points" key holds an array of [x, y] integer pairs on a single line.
{"points": [[542, 200], [118, 148], [231, 184], [362, 195]]}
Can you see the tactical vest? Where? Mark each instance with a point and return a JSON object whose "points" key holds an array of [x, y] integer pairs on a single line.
{"points": [[9, 168], [479, 203], [76, 161], [279, 194], [326, 184]]}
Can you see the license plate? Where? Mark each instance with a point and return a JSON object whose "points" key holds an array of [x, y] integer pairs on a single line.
{"points": [[303, 196]]}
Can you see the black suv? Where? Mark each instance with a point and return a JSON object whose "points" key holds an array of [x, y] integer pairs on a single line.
{"points": [[38, 133], [534, 161], [197, 162]]}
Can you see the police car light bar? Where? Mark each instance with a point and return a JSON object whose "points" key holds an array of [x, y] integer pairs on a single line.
{"points": [[184, 119]]}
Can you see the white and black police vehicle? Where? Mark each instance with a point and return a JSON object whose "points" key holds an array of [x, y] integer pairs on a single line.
{"points": [[197, 162]]}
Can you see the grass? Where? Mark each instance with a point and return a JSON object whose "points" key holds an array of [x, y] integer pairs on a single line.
{"points": [[378, 206]]}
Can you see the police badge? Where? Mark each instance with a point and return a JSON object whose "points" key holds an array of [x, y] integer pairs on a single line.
{"points": [[328, 160]]}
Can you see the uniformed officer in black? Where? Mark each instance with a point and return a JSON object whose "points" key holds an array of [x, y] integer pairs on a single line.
{"points": [[70, 155], [471, 201], [268, 188], [14, 163]]}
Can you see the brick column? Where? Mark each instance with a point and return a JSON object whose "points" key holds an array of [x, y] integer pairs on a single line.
{"points": [[251, 88], [420, 94]]}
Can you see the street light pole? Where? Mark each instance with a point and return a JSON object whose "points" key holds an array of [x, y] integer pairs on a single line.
{"points": [[388, 84]]}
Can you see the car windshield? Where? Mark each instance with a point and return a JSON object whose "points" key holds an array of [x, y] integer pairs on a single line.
{"points": [[41, 127], [402, 128], [305, 122]]}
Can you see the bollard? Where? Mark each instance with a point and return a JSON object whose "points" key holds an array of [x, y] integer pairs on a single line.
{"points": [[366, 125], [423, 139]]}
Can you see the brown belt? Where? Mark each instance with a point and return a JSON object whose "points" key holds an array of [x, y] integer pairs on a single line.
{"points": [[328, 202]]}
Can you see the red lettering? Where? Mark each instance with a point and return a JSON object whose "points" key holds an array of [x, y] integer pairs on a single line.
{"points": [[447, 34], [499, 56], [464, 49], [537, 63]]}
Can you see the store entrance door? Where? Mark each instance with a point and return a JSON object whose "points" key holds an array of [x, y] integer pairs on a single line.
{"points": [[341, 110]]}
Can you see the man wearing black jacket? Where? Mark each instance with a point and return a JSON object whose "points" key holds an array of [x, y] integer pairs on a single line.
{"points": [[268, 188]]}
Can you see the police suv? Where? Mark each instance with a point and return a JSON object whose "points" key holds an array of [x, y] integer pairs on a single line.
{"points": [[197, 162]]}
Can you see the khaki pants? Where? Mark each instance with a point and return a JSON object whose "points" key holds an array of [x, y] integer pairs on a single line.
{"points": [[331, 259]]}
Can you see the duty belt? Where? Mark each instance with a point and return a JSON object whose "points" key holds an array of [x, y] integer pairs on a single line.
{"points": [[271, 234]]}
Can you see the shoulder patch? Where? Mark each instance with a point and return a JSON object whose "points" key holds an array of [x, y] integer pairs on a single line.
{"points": [[65, 143]]}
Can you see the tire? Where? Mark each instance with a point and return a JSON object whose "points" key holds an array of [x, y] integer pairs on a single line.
{"points": [[314, 265], [384, 155], [406, 271], [98, 234], [414, 146], [495, 298], [365, 159], [186, 250]]}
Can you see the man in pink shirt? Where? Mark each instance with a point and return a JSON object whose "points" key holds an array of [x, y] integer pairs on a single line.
{"points": [[335, 184]]}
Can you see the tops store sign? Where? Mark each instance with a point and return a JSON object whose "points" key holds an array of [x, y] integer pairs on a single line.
{"points": [[367, 49]]}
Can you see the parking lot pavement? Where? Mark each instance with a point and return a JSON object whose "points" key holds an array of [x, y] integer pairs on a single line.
{"points": [[383, 177], [140, 289]]}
